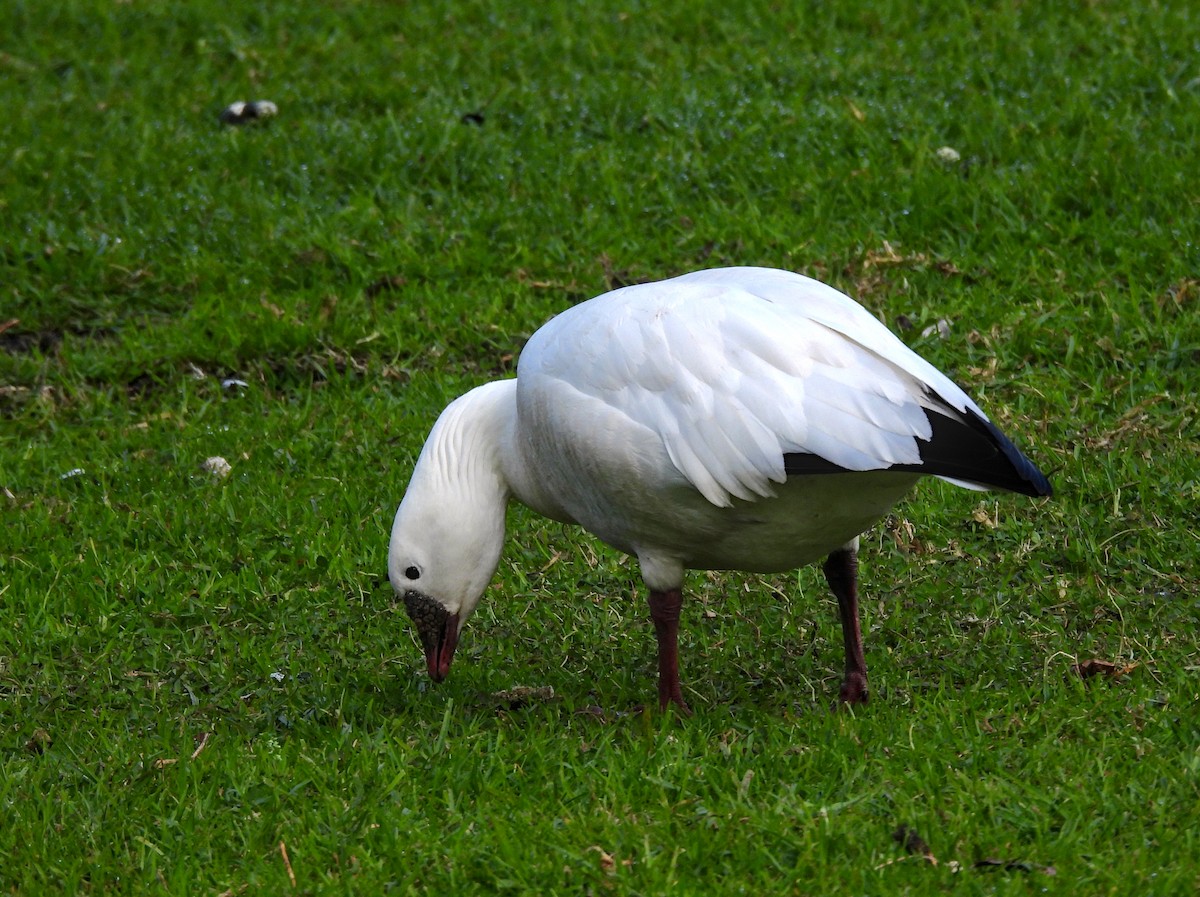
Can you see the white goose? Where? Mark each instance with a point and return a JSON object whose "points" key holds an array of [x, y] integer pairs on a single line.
{"points": [[730, 419]]}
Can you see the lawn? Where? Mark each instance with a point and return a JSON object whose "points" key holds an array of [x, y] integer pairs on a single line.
{"points": [[206, 684]]}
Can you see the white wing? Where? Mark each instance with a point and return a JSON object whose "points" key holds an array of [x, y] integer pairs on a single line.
{"points": [[735, 367]]}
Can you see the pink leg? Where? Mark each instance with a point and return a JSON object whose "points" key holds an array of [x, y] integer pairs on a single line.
{"points": [[841, 572], [664, 611]]}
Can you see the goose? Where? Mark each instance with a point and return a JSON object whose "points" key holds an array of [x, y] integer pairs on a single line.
{"points": [[742, 418]]}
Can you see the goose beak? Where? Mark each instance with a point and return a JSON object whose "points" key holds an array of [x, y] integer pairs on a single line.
{"points": [[438, 630], [439, 654]]}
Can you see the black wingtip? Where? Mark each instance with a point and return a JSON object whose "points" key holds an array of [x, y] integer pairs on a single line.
{"points": [[963, 447], [1024, 477]]}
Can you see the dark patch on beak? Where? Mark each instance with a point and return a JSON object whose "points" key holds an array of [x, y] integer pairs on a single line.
{"points": [[437, 629]]}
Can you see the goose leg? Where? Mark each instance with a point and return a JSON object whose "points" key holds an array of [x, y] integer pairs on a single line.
{"points": [[664, 611], [841, 572]]}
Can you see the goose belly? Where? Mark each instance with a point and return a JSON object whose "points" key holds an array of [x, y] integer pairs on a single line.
{"points": [[810, 517]]}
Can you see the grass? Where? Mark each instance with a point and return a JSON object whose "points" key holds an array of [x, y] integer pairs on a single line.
{"points": [[194, 672]]}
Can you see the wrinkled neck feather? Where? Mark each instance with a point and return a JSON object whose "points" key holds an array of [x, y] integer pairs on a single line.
{"points": [[462, 458]]}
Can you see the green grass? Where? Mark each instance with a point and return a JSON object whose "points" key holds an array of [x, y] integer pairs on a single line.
{"points": [[193, 671]]}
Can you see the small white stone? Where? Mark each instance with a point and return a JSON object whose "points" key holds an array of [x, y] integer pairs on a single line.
{"points": [[241, 112], [218, 467], [941, 329], [948, 154]]}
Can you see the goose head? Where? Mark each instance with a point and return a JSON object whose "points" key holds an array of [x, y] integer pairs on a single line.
{"points": [[449, 529]]}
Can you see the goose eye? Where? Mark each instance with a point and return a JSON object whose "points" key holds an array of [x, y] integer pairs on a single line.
{"points": [[412, 573]]}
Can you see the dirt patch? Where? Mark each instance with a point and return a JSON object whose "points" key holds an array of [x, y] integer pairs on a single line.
{"points": [[45, 341], [26, 342]]}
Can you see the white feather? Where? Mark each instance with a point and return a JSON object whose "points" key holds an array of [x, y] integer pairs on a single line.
{"points": [[735, 367]]}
